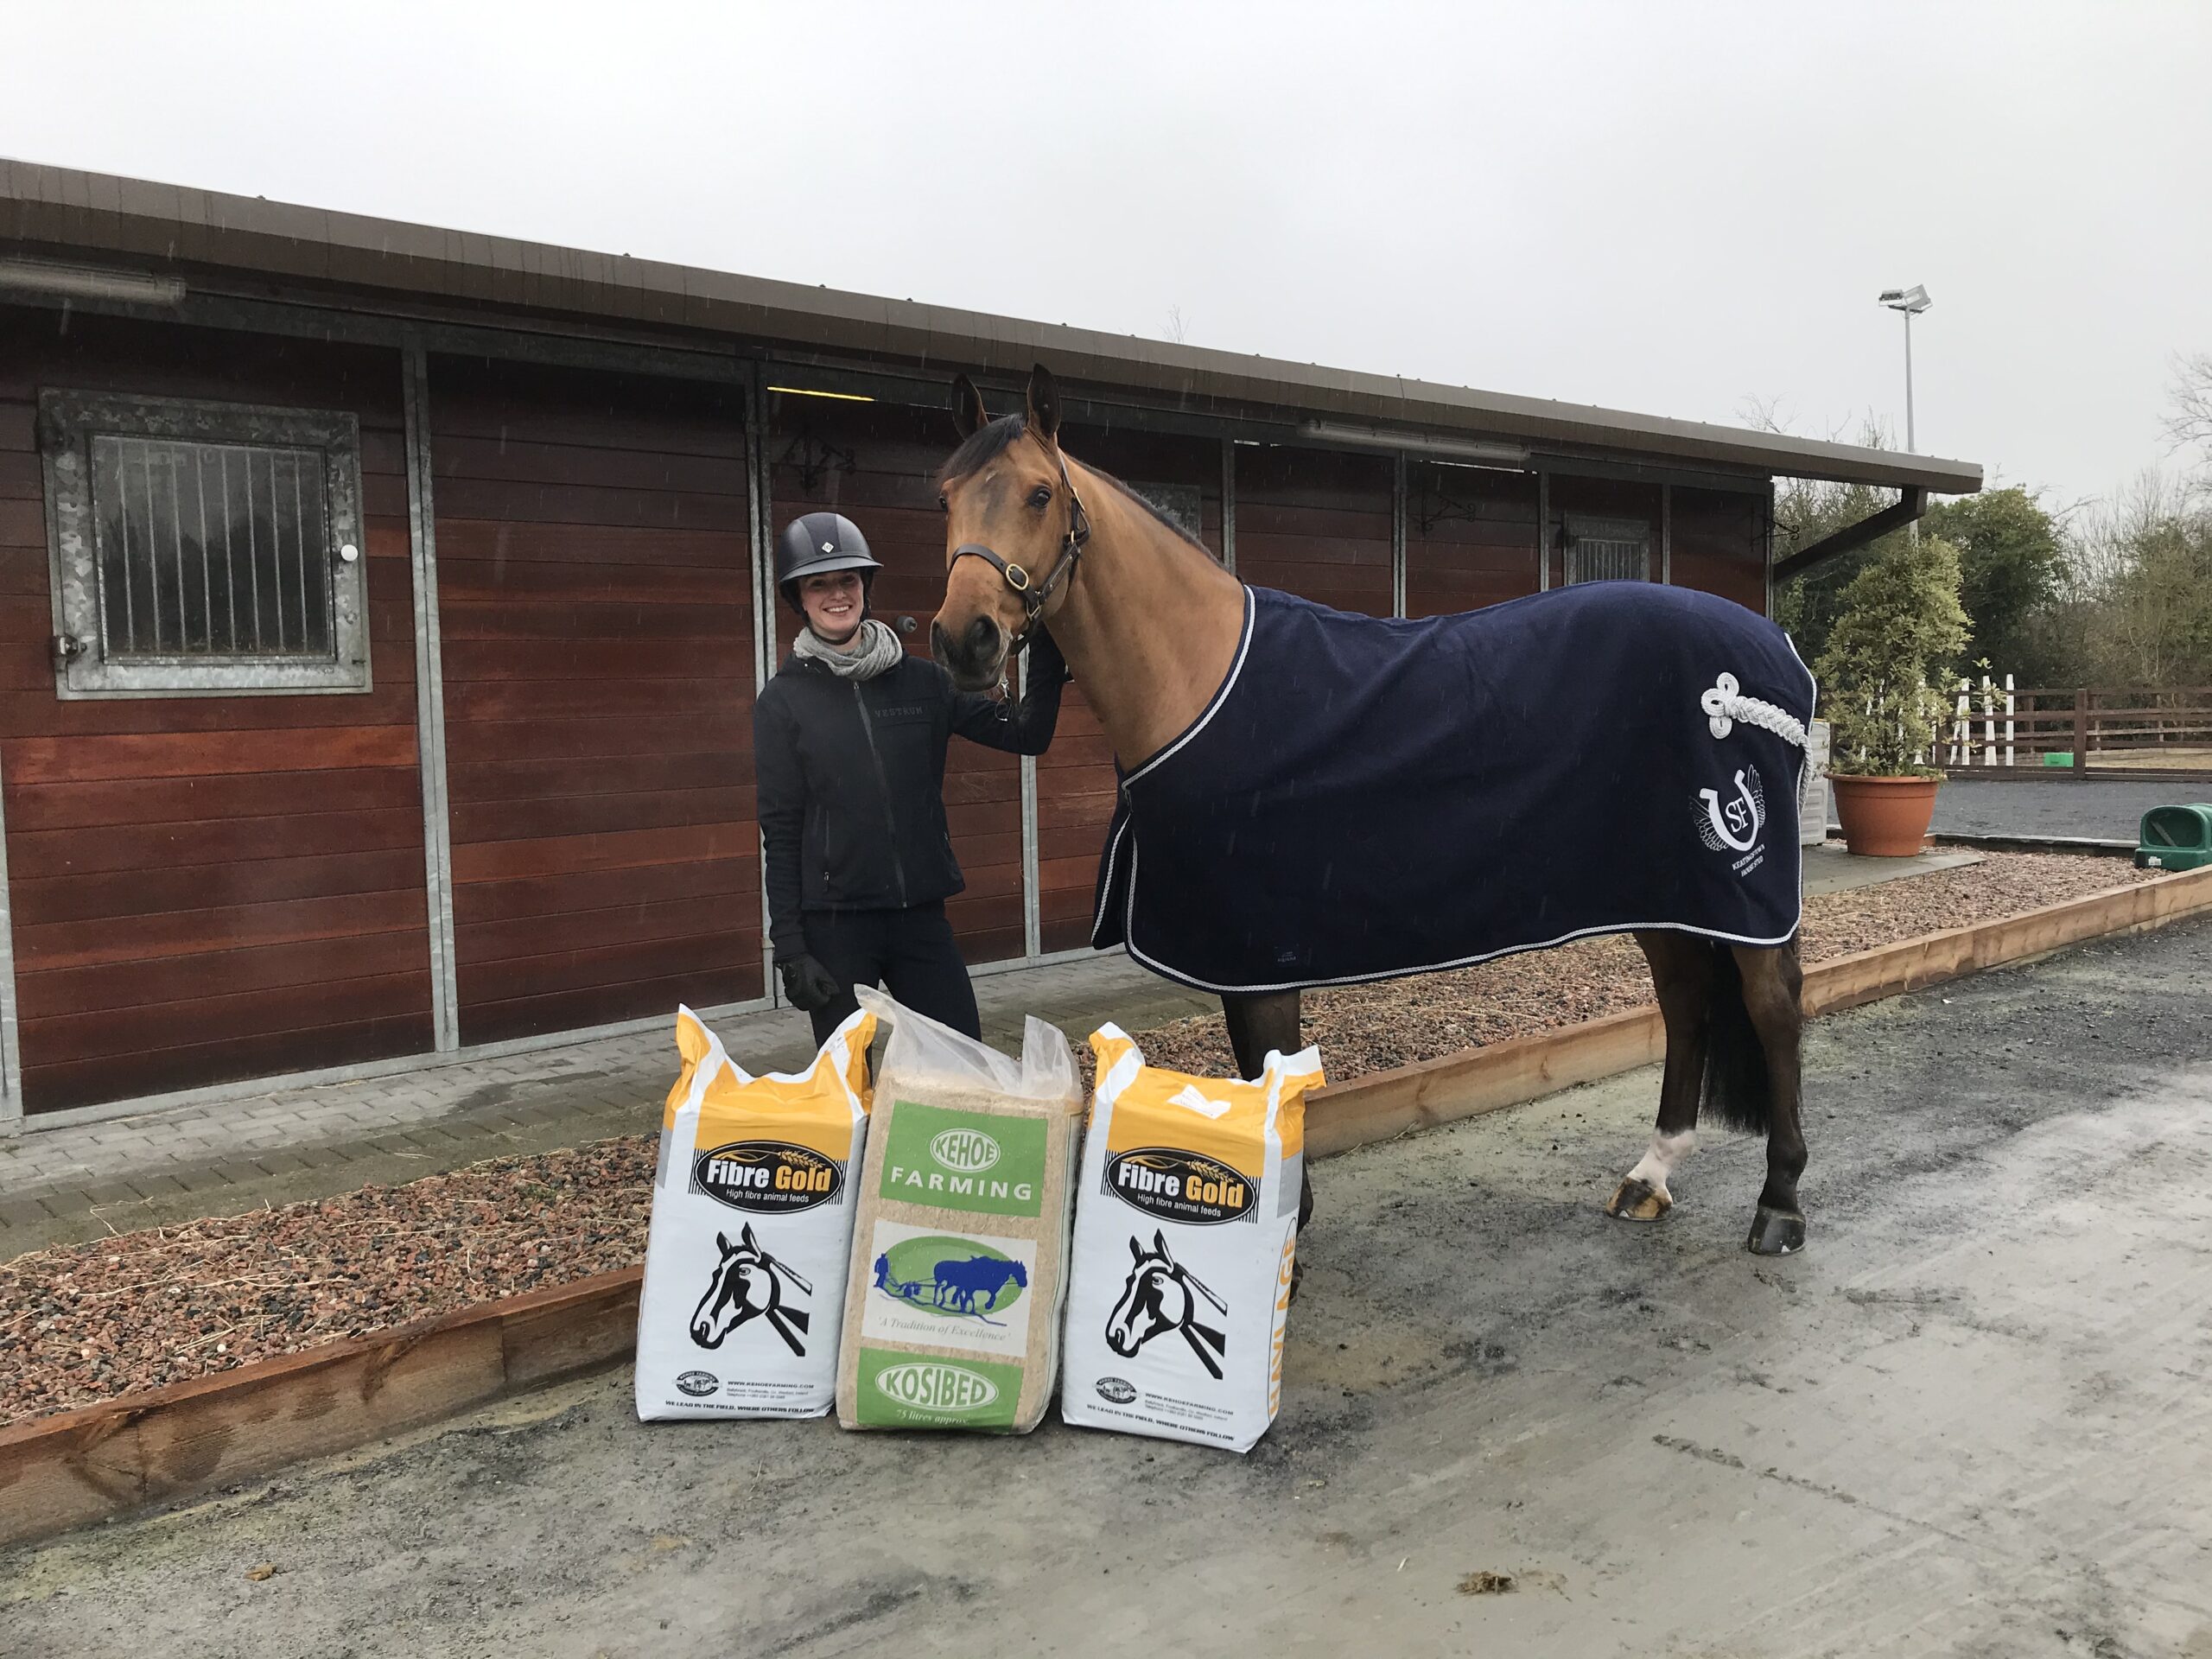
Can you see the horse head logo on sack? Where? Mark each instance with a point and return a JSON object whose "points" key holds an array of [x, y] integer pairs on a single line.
{"points": [[1162, 1296], [1734, 824], [749, 1284]]}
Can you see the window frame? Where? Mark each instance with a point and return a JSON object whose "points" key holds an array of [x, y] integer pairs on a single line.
{"points": [[70, 421], [1607, 530]]}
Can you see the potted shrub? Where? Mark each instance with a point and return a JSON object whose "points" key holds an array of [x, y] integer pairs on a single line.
{"points": [[1900, 618]]}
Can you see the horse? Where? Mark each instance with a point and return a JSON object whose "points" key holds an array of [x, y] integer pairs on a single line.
{"points": [[1160, 1292], [1155, 629], [959, 1283], [748, 1284]]}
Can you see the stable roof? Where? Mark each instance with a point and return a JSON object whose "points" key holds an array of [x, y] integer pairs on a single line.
{"points": [[204, 237]]}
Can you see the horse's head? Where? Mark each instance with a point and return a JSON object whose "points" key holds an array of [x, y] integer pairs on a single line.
{"points": [[1153, 1301], [1021, 1275], [742, 1280], [1013, 526]]}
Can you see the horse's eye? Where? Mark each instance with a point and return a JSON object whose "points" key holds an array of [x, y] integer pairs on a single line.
{"points": [[1040, 496], [943, 506]]}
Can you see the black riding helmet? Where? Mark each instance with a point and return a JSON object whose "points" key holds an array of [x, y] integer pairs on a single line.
{"points": [[819, 543]]}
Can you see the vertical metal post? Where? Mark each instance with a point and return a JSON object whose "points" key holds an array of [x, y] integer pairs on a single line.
{"points": [[1229, 505], [760, 498], [430, 700], [2080, 732], [1667, 543], [1543, 532], [1398, 534], [12, 1048], [1033, 892], [1910, 443]]}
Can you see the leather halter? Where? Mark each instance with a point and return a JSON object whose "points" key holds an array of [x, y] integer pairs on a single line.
{"points": [[1034, 594]]}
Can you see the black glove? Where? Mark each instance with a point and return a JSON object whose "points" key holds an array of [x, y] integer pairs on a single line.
{"points": [[1046, 666], [807, 985]]}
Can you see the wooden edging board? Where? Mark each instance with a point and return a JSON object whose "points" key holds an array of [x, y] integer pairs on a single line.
{"points": [[191, 1438], [81, 1466]]}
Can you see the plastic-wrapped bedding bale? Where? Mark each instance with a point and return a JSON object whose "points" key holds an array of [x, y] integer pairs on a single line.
{"points": [[952, 1317], [752, 1226], [1185, 1229]]}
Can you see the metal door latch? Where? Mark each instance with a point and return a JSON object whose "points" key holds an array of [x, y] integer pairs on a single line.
{"points": [[66, 646]]}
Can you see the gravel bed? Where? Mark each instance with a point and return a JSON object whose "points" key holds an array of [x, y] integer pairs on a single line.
{"points": [[80, 1323]]}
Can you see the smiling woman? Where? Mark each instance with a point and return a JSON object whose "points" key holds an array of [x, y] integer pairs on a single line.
{"points": [[849, 744]]}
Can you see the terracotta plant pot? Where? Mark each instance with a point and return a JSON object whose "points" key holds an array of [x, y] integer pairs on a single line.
{"points": [[1885, 818]]}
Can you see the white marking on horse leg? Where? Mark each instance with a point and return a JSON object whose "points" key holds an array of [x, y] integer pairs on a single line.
{"points": [[1666, 1154]]}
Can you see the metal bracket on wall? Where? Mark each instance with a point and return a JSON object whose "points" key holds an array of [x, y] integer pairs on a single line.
{"points": [[814, 459]]}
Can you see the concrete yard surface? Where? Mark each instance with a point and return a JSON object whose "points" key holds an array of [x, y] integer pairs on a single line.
{"points": [[1974, 1417]]}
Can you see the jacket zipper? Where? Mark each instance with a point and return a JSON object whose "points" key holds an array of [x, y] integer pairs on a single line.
{"points": [[883, 786]]}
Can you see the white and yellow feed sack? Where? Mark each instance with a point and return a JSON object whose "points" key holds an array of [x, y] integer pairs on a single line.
{"points": [[752, 1226], [1185, 1229]]}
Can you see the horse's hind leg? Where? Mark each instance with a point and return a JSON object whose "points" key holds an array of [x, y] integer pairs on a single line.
{"points": [[1773, 984], [1258, 1026], [1682, 974]]}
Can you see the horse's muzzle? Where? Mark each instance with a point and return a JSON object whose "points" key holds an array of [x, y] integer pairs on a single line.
{"points": [[975, 657]]}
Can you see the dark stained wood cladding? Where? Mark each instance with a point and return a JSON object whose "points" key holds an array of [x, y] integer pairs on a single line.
{"points": [[593, 593], [1720, 544], [1471, 538], [1316, 523], [883, 477], [207, 888]]}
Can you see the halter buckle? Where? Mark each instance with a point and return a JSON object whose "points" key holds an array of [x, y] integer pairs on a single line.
{"points": [[1017, 578]]}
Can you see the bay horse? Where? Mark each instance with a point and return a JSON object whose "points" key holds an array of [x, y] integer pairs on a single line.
{"points": [[1151, 624]]}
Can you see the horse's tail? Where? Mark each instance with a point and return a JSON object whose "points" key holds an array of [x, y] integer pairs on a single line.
{"points": [[1738, 1089]]}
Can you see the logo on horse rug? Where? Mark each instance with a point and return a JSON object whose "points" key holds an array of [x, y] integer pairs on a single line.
{"points": [[1162, 1298], [925, 1286], [749, 1284]]}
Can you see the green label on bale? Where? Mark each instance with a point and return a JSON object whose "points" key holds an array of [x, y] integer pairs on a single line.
{"points": [[916, 1391], [965, 1160]]}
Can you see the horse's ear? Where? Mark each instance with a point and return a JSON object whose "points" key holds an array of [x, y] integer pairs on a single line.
{"points": [[751, 1242], [969, 415], [1136, 1249], [1044, 405], [721, 1243], [1160, 1243]]}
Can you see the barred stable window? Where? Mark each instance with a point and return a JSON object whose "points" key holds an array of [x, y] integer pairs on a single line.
{"points": [[1607, 549], [203, 548]]}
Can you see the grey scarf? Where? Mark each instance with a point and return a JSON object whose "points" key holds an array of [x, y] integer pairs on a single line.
{"points": [[876, 651]]}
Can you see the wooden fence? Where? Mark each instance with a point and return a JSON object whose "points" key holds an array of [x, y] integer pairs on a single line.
{"points": [[1995, 726]]}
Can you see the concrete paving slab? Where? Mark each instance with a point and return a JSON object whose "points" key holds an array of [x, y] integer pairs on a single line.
{"points": [[1970, 1418], [1830, 868]]}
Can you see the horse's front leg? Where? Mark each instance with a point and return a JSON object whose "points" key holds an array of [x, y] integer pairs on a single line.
{"points": [[1259, 1026]]}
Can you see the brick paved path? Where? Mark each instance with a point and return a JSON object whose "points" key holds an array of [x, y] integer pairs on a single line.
{"points": [[273, 1146]]}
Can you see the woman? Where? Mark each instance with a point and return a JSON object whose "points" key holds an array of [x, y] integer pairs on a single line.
{"points": [[849, 744]]}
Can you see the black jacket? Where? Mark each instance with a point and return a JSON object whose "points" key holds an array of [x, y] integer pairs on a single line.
{"points": [[851, 780]]}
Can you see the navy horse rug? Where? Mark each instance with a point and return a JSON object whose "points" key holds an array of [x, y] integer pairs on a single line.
{"points": [[1366, 797]]}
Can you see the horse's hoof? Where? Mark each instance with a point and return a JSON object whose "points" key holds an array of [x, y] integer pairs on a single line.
{"points": [[1776, 1232], [1635, 1200]]}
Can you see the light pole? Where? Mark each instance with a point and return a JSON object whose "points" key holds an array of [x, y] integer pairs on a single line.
{"points": [[1911, 302]]}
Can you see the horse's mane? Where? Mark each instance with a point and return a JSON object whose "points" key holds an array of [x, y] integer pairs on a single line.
{"points": [[993, 439]]}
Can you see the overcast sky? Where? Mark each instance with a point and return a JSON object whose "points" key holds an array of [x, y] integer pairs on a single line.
{"points": [[1680, 208]]}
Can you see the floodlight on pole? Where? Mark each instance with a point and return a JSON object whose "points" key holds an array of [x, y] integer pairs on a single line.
{"points": [[1910, 302]]}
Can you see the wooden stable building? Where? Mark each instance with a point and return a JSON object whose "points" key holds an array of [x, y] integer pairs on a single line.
{"points": [[381, 608]]}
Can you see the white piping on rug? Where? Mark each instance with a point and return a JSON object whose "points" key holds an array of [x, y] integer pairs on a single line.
{"points": [[1725, 704], [1243, 646]]}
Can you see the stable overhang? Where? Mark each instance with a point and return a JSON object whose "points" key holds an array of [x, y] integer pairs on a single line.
{"points": [[242, 244]]}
